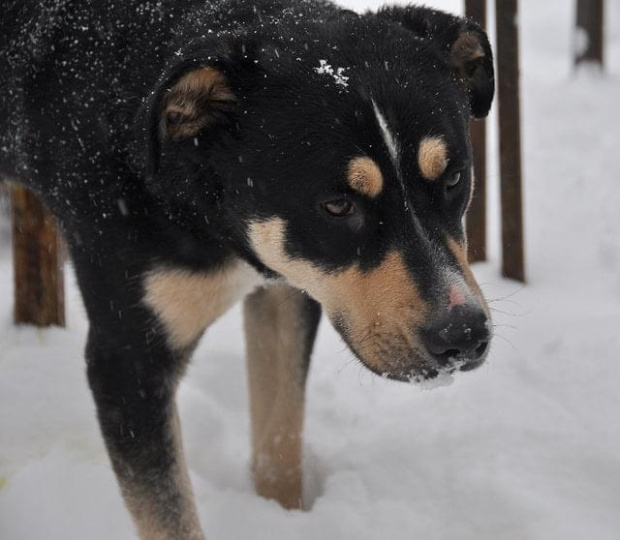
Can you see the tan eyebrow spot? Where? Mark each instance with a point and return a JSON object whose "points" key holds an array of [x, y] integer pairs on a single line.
{"points": [[432, 157], [365, 177]]}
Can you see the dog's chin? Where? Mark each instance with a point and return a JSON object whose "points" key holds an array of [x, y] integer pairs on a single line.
{"points": [[419, 369]]}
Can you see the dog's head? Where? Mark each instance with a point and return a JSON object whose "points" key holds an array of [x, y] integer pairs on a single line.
{"points": [[337, 156]]}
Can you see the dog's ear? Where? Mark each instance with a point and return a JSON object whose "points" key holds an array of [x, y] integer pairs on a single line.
{"points": [[472, 60], [461, 41], [197, 97], [201, 97]]}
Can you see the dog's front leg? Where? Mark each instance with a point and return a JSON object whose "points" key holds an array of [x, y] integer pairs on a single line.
{"points": [[134, 388], [281, 324], [133, 369]]}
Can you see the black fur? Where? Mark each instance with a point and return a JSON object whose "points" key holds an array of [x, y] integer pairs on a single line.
{"points": [[82, 84]]}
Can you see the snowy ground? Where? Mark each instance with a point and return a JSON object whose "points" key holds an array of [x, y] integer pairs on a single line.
{"points": [[526, 448]]}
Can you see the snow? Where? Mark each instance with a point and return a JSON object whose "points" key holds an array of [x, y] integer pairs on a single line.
{"points": [[526, 447], [582, 41], [340, 79]]}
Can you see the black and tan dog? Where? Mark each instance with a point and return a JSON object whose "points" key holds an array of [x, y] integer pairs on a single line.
{"points": [[293, 153]]}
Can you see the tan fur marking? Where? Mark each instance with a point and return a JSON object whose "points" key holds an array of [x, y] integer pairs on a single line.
{"points": [[187, 303], [194, 101], [383, 304], [365, 176], [466, 49], [432, 157], [276, 336]]}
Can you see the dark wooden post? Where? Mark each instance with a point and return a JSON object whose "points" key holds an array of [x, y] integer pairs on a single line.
{"points": [[590, 31], [513, 265], [476, 215], [37, 260]]}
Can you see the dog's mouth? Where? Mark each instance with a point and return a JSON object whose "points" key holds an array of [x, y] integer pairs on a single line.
{"points": [[442, 375], [422, 372], [409, 360], [426, 374]]}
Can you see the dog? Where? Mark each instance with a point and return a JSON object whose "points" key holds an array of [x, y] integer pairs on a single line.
{"points": [[296, 155]]}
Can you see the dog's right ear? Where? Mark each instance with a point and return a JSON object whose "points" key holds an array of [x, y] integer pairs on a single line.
{"points": [[197, 97], [200, 98]]}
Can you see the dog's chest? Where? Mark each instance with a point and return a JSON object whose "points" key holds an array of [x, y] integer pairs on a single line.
{"points": [[186, 303]]}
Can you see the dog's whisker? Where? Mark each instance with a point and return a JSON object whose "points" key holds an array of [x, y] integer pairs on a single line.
{"points": [[510, 326], [288, 298], [504, 338], [513, 302], [509, 295], [508, 313]]}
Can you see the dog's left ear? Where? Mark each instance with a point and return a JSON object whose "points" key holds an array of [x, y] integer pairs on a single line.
{"points": [[462, 41], [472, 60]]}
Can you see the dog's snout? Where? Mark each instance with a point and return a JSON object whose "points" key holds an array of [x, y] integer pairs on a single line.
{"points": [[459, 338]]}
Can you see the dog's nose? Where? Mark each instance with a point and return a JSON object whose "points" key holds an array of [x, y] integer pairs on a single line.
{"points": [[460, 337]]}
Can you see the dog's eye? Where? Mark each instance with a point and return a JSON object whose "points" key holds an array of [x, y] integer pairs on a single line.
{"points": [[339, 207], [453, 180]]}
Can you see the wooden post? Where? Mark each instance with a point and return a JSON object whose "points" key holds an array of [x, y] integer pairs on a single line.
{"points": [[513, 265], [590, 31], [37, 260], [476, 215]]}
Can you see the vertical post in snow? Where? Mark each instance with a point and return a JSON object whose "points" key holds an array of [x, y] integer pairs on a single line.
{"points": [[590, 22], [513, 265], [37, 262], [476, 215]]}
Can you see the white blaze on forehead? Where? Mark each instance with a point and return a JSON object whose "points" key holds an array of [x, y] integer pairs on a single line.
{"points": [[390, 141], [392, 146]]}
